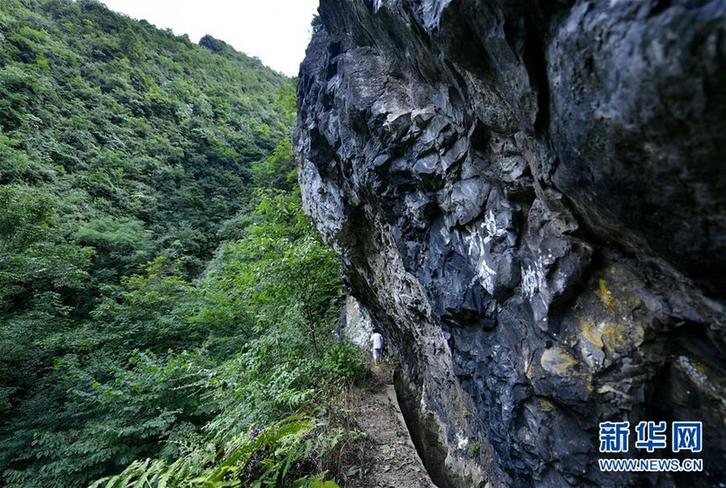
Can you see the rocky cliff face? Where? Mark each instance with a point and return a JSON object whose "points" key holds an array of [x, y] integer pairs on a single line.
{"points": [[529, 198]]}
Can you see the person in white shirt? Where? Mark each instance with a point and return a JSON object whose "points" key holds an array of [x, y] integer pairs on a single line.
{"points": [[377, 342]]}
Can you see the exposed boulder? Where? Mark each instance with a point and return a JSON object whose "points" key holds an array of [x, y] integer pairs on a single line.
{"points": [[530, 199]]}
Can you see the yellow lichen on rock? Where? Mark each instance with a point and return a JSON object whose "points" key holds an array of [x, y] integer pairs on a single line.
{"points": [[619, 336], [611, 336], [607, 298], [591, 333], [588, 383], [545, 405], [556, 361]]}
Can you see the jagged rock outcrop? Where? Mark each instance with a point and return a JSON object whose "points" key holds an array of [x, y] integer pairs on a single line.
{"points": [[529, 198]]}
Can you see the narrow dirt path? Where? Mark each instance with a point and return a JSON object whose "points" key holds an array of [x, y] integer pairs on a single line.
{"points": [[392, 460]]}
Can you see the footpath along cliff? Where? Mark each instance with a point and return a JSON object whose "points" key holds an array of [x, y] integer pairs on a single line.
{"points": [[529, 199]]}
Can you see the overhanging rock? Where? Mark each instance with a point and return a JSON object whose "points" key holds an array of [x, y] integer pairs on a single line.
{"points": [[529, 199]]}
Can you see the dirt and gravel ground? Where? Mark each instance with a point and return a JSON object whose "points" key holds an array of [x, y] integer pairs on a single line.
{"points": [[392, 460]]}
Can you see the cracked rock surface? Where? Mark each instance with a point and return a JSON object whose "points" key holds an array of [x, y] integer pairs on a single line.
{"points": [[529, 198]]}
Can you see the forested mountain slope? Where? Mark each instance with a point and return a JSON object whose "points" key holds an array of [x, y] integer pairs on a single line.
{"points": [[108, 117], [127, 156]]}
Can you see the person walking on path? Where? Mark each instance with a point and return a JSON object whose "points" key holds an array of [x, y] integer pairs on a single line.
{"points": [[377, 342]]}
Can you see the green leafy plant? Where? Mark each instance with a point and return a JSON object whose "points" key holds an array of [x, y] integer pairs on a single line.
{"points": [[345, 361], [165, 305]]}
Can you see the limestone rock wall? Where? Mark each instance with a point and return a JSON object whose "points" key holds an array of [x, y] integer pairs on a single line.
{"points": [[355, 324], [529, 198]]}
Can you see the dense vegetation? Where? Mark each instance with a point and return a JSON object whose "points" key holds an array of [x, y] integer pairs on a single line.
{"points": [[165, 307]]}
